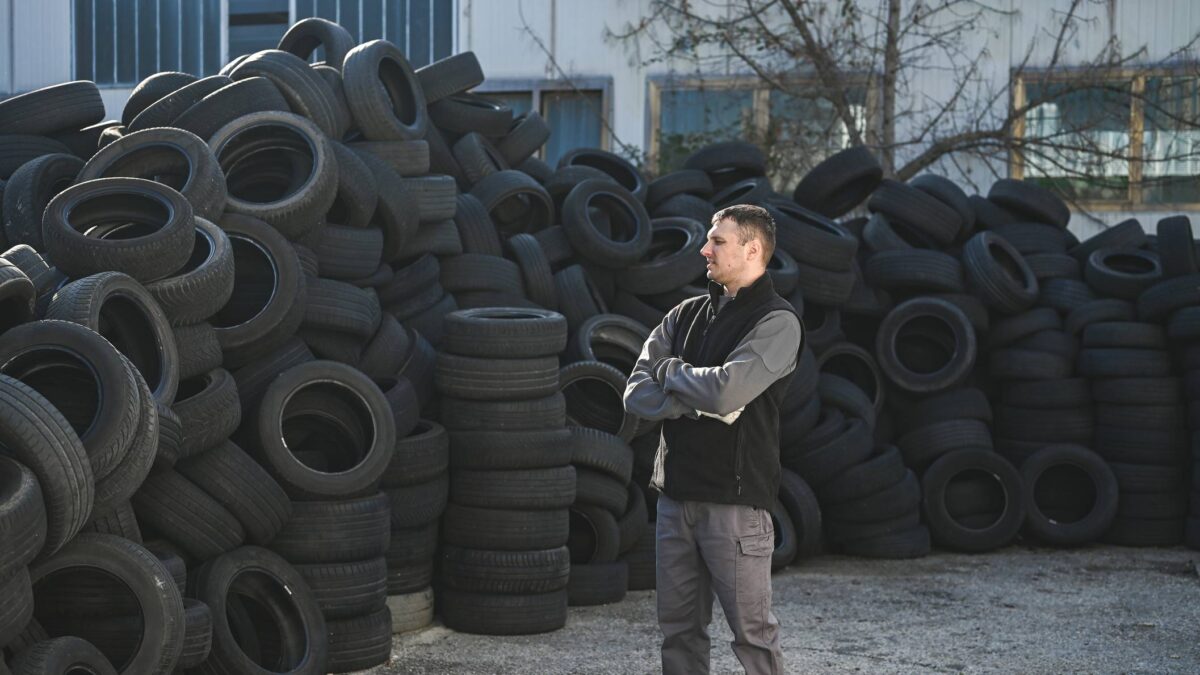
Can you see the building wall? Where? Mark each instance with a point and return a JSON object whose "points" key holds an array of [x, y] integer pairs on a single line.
{"points": [[550, 39]]}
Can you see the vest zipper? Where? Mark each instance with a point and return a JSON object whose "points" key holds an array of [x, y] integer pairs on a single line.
{"points": [[737, 460]]}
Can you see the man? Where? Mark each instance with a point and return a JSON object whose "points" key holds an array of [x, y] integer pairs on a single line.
{"points": [[715, 370]]}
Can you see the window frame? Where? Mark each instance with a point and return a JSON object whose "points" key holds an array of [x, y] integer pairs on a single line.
{"points": [[1136, 78], [760, 113], [537, 86]]}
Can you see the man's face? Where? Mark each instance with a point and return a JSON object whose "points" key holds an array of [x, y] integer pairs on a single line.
{"points": [[727, 257]]}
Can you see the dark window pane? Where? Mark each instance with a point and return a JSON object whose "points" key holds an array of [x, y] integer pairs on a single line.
{"points": [[1171, 141], [348, 17], [575, 121], [250, 39], [126, 42], [104, 64], [168, 35], [372, 20], [419, 42], [83, 40], [147, 30], [212, 36], [443, 28], [397, 23], [191, 38], [1077, 139], [255, 25], [520, 102], [689, 119], [327, 9]]}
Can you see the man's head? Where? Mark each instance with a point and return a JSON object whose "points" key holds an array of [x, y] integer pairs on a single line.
{"points": [[740, 244]]}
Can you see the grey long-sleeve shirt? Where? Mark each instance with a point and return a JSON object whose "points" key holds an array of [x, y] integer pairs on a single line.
{"points": [[767, 353]]}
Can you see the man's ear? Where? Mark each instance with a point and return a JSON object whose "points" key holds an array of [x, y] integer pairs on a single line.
{"points": [[754, 248]]}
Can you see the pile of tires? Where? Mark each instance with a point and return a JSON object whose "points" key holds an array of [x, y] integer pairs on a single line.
{"points": [[504, 561]]}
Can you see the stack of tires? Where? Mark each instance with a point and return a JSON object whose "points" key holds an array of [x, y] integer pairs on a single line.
{"points": [[417, 484], [504, 560], [607, 517]]}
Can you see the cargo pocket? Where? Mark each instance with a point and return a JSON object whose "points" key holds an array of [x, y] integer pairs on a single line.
{"points": [[756, 545], [752, 587]]}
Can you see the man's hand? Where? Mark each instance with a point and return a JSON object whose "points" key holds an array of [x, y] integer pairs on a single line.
{"points": [[727, 419]]}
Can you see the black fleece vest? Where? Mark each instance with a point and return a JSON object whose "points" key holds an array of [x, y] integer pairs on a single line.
{"points": [[706, 459]]}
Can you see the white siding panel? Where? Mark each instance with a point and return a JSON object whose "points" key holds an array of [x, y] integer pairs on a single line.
{"points": [[41, 43]]}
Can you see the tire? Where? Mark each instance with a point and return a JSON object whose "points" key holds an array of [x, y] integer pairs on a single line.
{"points": [[349, 253], [90, 207], [22, 516], [804, 512], [187, 516], [420, 504], [238, 483], [1055, 425], [151, 154], [150, 90], [847, 396], [491, 449], [347, 589], [1107, 309], [915, 270], [305, 91], [452, 75], [364, 429], [1176, 249], [126, 478], [420, 456], [34, 433], [504, 529], [1126, 234], [1125, 334], [999, 274], [1031, 201], [602, 452], [1025, 364], [956, 339], [964, 403], [499, 190], [582, 406], [357, 643], [200, 288], [672, 259], [478, 272], [535, 268], [478, 157], [340, 307], [1054, 266], [924, 445], [1158, 301], [839, 182], [268, 301], [820, 462], [29, 190], [142, 576], [685, 181], [505, 333], [1117, 362], [244, 97], [630, 219], [62, 655], [469, 112], [597, 583], [299, 620], [728, 162], [393, 211], [948, 531], [411, 611], [305, 36], [384, 94], [811, 238], [507, 572], [121, 310], [494, 614], [909, 543], [885, 468], [917, 209], [476, 230], [162, 113], [44, 111], [357, 191], [293, 204], [552, 488], [1122, 273], [85, 378], [18, 149], [345, 530]]}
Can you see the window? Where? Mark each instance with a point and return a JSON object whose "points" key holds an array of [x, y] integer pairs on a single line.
{"points": [[120, 42], [255, 25], [1126, 140], [575, 111], [422, 29], [796, 131]]}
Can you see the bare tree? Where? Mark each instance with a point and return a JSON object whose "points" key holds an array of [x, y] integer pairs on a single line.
{"points": [[852, 72]]}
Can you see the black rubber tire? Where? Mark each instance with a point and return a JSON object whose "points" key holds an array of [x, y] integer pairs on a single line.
{"points": [[496, 614], [900, 497], [628, 216], [1025, 364], [499, 190], [1158, 301], [419, 504], [361, 424], [578, 297], [142, 576], [255, 323], [163, 111], [505, 333], [922, 212], [511, 449], [926, 444], [1125, 234], [476, 229], [1122, 273], [1031, 201], [525, 135], [1127, 334], [593, 584], [200, 288], [582, 406], [291, 203], [186, 515], [150, 90], [805, 513], [915, 270], [241, 485], [684, 181], [883, 469], [244, 97], [70, 105], [305, 36], [1106, 309], [535, 269], [451, 75], [1176, 247], [383, 92], [471, 112], [1054, 266], [1117, 362], [18, 149], [29, 190], [998, 273], [963, 403], [954, 344], [840, 182], [551, 488], [290, 607], [343, 530], [106, 209], [508, 572], [306, 92], [950, 532], [504, 529], [420, 456], [22, 516]]}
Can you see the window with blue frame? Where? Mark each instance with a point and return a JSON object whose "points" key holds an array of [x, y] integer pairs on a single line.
{"points": [[575, 112], [422, 29], [121, 42]]}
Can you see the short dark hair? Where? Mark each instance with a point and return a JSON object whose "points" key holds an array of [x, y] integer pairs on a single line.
{"points": [[752, 221]]}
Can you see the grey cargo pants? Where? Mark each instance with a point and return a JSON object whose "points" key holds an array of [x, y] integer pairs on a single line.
{"points": [[705, 548]]}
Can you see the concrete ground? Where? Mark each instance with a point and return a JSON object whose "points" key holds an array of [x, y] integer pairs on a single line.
{"points": [[1101, 609]]}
